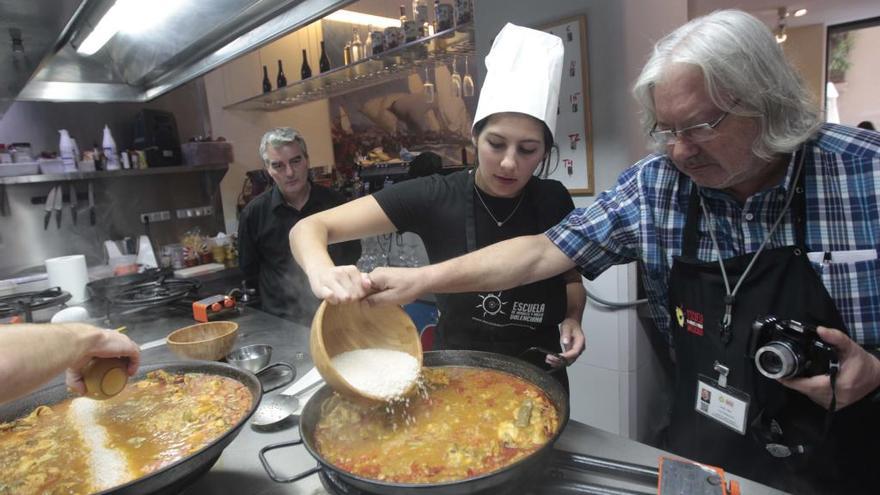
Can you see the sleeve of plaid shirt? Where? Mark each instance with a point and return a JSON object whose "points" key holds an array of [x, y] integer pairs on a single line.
{"points": [[607, 232]]}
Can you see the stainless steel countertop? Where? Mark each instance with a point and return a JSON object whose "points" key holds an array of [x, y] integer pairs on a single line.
{"points": [[238, 470]]}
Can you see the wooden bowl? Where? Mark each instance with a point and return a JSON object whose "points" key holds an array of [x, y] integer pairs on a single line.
{"points": [[206, 341], [338, 328]]}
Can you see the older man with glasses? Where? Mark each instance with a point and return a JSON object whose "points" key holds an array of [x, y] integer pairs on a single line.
{"points": [[756, 227]]}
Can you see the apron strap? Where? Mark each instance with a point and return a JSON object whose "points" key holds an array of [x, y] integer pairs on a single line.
{"points": [[799, 203], [692, 221], [470, 221]]}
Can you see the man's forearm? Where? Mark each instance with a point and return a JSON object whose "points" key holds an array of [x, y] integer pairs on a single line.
{"points": [[507, 264], [34, 354]]}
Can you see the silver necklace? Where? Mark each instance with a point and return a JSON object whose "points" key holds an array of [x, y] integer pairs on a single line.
{"points": [[501, 222]]}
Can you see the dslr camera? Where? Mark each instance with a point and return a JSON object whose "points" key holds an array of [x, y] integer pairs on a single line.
{"points": [[789, 349]]}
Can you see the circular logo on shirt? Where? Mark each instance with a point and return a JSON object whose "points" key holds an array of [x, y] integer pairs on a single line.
{"points": [[491, 304], [679, 316]]}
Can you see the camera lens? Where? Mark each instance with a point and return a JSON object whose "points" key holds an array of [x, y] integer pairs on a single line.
{"points": [[776, 360]]}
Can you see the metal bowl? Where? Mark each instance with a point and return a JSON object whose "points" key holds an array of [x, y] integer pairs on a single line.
{"points": [[251, 357]]}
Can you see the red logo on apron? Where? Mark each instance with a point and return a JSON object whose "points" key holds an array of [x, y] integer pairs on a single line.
{"points": [[694, 322]]}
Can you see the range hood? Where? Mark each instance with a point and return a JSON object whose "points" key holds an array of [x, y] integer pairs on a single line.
{"points": [[138, 63]]}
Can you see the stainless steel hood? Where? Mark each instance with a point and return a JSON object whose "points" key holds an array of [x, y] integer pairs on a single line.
{"points": [[41, 62]]}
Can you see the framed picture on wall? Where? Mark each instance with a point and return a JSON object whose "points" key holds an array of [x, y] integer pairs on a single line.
{"points": [[574, 133]]}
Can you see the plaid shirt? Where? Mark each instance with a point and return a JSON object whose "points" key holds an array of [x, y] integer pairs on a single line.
{"points": [[642, 219]]}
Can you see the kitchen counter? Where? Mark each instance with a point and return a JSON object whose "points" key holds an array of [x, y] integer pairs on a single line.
{"points": [[238, 470]]}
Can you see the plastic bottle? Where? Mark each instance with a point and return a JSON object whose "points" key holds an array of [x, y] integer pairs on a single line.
{"points": [[65, 146], [77, 156], [110, 156]]}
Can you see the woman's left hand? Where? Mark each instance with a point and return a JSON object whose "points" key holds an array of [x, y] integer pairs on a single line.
{"points": [[572, 341]]}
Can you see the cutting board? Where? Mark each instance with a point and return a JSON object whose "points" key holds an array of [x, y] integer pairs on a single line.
{"points": [[195, 271]]}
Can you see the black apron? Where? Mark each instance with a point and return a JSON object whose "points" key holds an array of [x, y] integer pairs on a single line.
{"points": [[783, 283], [506, 322]]}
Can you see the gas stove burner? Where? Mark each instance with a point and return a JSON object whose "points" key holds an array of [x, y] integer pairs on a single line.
{"points": [[334, 484], [154, 293], [28, 302]]}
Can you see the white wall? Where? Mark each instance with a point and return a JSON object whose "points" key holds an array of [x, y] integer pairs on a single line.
{"points": [[242, 79], [614, 384], [859, 99]]}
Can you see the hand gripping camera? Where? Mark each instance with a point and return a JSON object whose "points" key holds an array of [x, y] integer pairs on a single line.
{"points": [[789, 349]]}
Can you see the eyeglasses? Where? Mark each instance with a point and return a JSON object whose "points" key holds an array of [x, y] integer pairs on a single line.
{"points": [[696, 133]]}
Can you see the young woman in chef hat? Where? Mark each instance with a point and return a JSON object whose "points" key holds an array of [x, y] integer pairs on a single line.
{"points": [[514, 128]]}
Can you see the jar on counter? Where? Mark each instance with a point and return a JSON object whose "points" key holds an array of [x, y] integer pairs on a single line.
{"points": [[5, 157], [219, 253], [21, 153]]}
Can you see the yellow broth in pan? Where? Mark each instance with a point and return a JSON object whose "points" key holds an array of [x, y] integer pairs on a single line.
{"points": [[81, 446], [470, 421]]}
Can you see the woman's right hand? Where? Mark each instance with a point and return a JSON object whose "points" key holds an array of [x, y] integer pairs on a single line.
{"points": [[340, 284]]}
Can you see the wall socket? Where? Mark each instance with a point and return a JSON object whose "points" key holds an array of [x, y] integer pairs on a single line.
{"points": [[155, 216], [199, 211]]}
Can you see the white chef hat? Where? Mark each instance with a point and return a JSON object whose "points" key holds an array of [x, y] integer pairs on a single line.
{"points": [[524, 70]]}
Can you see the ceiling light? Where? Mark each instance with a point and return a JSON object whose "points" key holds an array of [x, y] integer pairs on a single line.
{"points": [[779, 32], [352, 17], [102, 32], [800, 12], [128, 16]]}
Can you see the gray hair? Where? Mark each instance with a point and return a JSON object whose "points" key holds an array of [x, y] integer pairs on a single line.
{"points": [[746, 73], [279, 137]]}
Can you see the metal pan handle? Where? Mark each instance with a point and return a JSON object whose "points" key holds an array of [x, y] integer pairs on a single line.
{"points": [[275, 386], [271, 472], [552, 353]]}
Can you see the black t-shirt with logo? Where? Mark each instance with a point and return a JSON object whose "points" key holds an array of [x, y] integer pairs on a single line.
{"points": [[440, 210]]}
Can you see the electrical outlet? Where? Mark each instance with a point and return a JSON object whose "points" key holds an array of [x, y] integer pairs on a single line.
{"points": [[198, 211], [155, 216]]}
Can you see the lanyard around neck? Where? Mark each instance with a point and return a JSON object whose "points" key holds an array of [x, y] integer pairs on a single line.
{"points": [[730, 295]]}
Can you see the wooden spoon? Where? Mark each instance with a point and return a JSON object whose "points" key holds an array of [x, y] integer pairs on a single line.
{"points": [[338, 328]]}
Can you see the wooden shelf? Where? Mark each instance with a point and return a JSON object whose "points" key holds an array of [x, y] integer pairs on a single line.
{"points": [[387, 66]]}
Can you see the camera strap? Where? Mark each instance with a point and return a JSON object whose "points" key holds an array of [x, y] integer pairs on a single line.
{"points": [[833, 369], [730, 296]]}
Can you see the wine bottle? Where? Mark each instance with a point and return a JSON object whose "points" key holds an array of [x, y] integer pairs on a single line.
{"points": [[368, 42], [282, 79], [267, 86], [421, 15], [324, 62], [409, 27], [357, 48], [305, 71]]}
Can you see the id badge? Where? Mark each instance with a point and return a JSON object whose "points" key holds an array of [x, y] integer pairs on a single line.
{"points": [[726, 405]]}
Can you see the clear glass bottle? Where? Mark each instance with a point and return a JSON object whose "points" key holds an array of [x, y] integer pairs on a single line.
{"points": [[368, 43], [357, 47], [420, 9]]}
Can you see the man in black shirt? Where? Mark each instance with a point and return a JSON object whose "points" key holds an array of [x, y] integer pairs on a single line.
{"points": [[264, 250]]}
